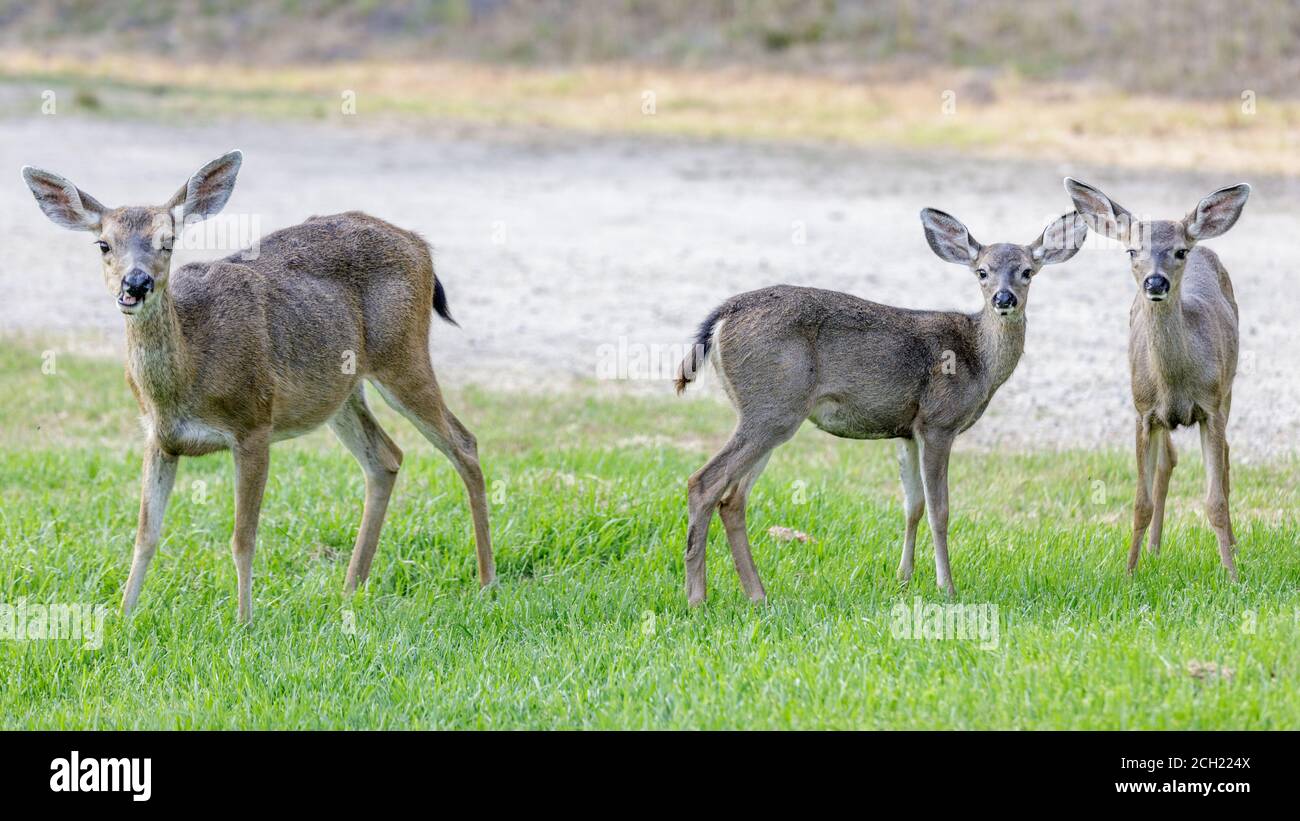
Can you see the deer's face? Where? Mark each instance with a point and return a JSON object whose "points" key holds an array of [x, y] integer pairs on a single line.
{"points": [[1004, 272], [135, 243], [1159, 249], [1158, 252], [135, 246]]}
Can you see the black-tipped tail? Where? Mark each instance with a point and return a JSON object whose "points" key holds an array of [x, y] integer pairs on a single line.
{"points": [[699, 352], [440, 302]]}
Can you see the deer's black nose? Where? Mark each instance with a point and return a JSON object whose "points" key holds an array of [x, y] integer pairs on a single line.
{"points": [[1155, 285], [137, 283], [1003, 300]]}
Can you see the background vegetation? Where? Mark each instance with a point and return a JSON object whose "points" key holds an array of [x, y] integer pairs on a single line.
{"points": [[1186, 84], [1185, 47]]}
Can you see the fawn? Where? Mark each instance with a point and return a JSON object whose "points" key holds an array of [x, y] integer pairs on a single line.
{"points": [[1182, 349], [861, 370], [247, 350]]}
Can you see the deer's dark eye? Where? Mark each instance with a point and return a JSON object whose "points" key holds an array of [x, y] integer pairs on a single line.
{"points": [[1027, 273], [982, 274], [1181, 253], [103, 246], [1132, 254]]}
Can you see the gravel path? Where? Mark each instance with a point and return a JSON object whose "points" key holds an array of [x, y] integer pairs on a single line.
{"points": [[559, 252]]}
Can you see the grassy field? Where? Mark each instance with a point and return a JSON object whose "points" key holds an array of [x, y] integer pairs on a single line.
{"points": [[588, 627]]}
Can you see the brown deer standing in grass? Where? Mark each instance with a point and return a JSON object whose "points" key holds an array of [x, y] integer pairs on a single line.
{"points": [[1182, 349], [861, 370], [255, 348]]}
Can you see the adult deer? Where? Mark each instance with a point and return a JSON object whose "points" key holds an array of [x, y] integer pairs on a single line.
{"points": [[861, 370], [255, 348], [1182, 349]]}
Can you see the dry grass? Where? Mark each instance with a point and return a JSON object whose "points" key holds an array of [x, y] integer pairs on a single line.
{"points": [[1004, 117]]}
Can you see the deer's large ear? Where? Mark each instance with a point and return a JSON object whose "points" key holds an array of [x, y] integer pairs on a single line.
{"points": [[1060, 240], [206, 193], [63, 202], [1103, 215], [1217, 213], [948, 238]]}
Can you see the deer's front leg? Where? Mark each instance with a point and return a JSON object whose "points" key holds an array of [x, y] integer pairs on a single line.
{"points": [[1142, 507], [1165, 460], [156, 487], [909, 471], [935, 449], [252, 459], [1214, 450]]}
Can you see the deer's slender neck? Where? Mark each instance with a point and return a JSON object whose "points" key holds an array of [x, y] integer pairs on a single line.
{"points": [[1000, 341], [1165, 329], [156, 351]]}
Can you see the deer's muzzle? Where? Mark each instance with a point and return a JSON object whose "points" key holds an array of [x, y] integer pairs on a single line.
{"points": [[1004, 301], [135, 287], [1156, 287]]}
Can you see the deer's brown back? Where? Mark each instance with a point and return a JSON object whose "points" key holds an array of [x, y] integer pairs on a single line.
{"points": [[297, 325], [856, 368]]}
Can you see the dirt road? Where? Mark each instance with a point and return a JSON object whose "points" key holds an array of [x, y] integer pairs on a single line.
{"points": [[568, 259]]}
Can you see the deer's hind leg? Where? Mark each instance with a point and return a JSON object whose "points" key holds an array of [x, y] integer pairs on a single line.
{"points": [[748, 445], [1214, 448], [380, 458], [252, 460], [412, 389], [732, 512], [1227, 463]]}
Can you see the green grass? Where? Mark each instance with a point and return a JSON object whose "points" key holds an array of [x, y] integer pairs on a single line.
{"points": [[588, 626]]}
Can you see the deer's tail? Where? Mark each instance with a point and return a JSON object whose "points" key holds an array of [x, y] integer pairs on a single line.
{"points": [[440, 301], [698, 355], [425, 262]]}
